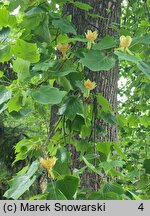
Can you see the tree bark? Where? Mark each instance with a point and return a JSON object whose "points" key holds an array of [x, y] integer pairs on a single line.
{"points": [[109, 12]]}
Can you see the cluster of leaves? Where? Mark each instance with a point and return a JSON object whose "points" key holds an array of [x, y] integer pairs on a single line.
{"points": [[46, 79]]}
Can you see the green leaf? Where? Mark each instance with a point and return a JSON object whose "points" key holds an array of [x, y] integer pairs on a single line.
{"points": [[104, 196], [65, 83], [26, 51], [113, 187], [109, 118], [145, 120], [144, 68], [83, 146], [147, 166], [119, 150], [43, 66], [108, 165], [91, 166], [64, 71], [134, 195], [15, 103], [61, 167], [48, 95], [64, 25], [20, 184], [104, 103], [143, 40], [127, 57], [21, 67], [80, 85], [3, 107], [4, 17], [54, 193], [121, 120], [1, 74], [68, 186], [77, 123], [4, 34], [71, 108], [5, 94], [107, 42], [5, 53], [22, 149], [95, 60], [82, 6], [104, 147], [42, 31]]}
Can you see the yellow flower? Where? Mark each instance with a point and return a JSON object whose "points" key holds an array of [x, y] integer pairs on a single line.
{"points": [[125, 41], [91, 35], [89, 85], [48, 163], [63, 47]]}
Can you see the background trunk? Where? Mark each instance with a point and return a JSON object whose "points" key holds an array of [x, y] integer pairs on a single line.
{"points": [[109, 12]]}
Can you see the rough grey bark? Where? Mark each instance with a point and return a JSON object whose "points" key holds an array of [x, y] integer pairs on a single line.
{"points": [[109, 12]]}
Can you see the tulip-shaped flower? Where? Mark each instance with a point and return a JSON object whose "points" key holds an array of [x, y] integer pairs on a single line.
{"points": [[63, 48], [48, 164], [91, 36], [89, 86], [125, 41]]}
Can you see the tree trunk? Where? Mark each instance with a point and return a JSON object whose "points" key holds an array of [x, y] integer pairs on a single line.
{"points": [[109, 12]]}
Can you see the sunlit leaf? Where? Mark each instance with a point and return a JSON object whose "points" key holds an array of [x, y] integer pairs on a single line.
{"points": [[48, 95]]}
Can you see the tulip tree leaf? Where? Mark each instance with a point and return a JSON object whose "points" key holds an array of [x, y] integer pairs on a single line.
{"points": [[5, 53], [144, 68], [147, 166], [106, 43], [96, 60], [48, 95], [68, 186], [21, 67], [26, 51], [4, 17], [21, 183], [64, 25], [4, 94], [82, 6], [127, 57]]}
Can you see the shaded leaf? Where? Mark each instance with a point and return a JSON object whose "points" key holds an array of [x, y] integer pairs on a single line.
{"points": [[107, 42], [103, 102], [64, 25], [95, 60], [109, 118], [113, 187], [147, 166], [68, 186]]}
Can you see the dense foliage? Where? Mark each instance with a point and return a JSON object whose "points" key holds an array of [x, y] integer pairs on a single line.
{"points": [[41, 48]]}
